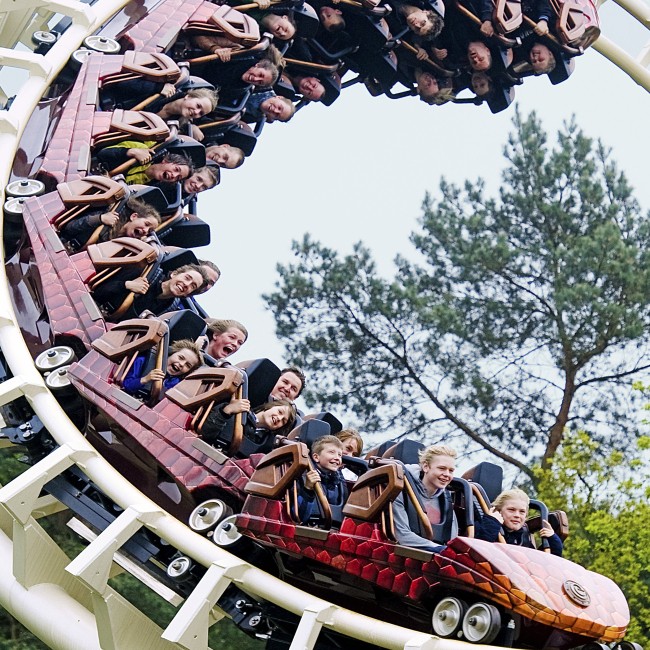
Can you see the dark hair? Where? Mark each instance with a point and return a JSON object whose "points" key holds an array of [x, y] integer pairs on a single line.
{"points": [[299, 373], [282, 431], [178, 159], [190, 267]]}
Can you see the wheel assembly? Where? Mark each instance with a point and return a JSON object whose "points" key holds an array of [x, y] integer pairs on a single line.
{"points": [[49, 360], [102, 44], [226, 533], [180, 568], [447, 617], [208, 514], [25, 187], [481, 623]]}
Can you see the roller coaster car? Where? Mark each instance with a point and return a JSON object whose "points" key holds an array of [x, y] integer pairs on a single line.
{"points": [[479, 591], [157, 445]]}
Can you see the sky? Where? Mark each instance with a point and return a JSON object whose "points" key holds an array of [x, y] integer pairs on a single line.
{"points": [[359, 169]]}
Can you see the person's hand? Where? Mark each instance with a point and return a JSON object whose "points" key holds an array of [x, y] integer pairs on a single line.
{"points": [[235, 406], [197, 134], [109, 219], [263, 4], [486, 28], [139, 285], [541, 29], [546, 530], [496, 514], [421, 53], [440, 53], [311, 478], [223, 53], [168, 90], [141, 155], [155, 375]]}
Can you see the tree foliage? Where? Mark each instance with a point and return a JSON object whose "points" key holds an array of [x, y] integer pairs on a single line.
{"points": [[608, 504], [515, 318]]}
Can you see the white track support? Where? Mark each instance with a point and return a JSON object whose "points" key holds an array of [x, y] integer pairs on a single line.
{"points": [[69, 604], [637, 66], [190, 626]]}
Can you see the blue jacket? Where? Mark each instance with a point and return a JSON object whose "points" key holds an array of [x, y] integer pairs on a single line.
{"points": [[133, 385], [336, 492], [488, 529]]}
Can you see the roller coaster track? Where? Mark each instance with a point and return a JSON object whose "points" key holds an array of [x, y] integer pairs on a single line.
{"points": [[69, 604]]}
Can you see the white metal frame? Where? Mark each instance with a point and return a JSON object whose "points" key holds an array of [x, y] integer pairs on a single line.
{"points": [[68, 604]]}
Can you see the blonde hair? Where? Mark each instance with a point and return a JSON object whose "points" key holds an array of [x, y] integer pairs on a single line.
{"points": [[428, 454], [320, 443], [351, 434], [510, 495]]}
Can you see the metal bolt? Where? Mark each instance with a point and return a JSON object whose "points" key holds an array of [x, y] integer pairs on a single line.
{"points": [[255, 620]]}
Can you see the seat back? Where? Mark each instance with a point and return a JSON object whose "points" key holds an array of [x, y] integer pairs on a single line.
{"points": [[489, 476], [262, 377], [407, 451], [334, 423], [309, 431]]}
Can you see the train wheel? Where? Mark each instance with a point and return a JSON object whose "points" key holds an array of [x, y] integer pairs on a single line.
{"points": [[41, 37], [481, 623], [13, 208], [25, 187], [226, 534], [59, 355], [447, 616], [180, 568], [102, 44], [208, 514]]}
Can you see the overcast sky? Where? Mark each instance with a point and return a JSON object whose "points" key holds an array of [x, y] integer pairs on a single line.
{"points": [[359, 169]]}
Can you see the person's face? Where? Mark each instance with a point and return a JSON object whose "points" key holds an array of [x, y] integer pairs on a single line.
{"points": [[287, 387], [274, 418], [198, 182], [311, 88], [275, 109], [213, 276], [330, 17], [439, 472], [181, 362], [480, 84], [224, 155], [329, 457], [427, 85], [185, 283], [540, 56], [282, 28], [227, 343], [194, 107], [418, 21], [479, 56], [138, 226], [514, 513], [350, 447], [258, 76], [169, 172]]}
